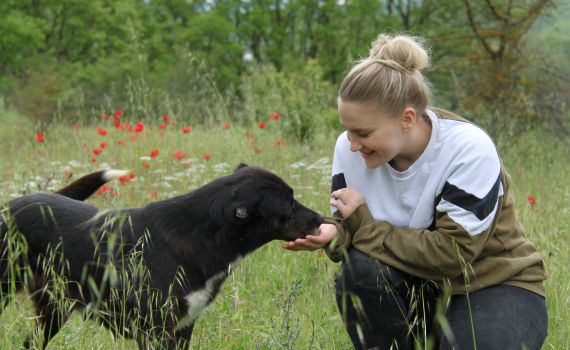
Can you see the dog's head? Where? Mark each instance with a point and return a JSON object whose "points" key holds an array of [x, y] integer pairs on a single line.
{"points": [[263, 205]]}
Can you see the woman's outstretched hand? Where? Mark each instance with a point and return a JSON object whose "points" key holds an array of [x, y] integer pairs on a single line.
{"points": [[346, 200], [324, 235]]}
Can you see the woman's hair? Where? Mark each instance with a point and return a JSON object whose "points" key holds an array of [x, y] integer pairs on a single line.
{"points": [[391, 75]]}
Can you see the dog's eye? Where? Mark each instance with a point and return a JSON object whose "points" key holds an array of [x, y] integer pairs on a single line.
{"points": [[291, 210]]}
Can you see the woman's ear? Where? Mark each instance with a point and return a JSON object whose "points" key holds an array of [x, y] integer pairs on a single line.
{"points": [[408, 119]]}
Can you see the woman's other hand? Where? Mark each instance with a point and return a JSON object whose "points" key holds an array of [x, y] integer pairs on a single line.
{"points": [[346, 200]]}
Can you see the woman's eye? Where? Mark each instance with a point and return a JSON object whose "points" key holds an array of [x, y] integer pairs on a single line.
{"points": [[363, 135]]}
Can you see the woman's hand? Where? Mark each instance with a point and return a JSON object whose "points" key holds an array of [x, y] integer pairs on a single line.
{"points": [[325, 234], [346, 200]]}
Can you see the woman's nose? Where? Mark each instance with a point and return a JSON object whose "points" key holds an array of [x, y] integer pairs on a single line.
{"points": [[354, 146]]}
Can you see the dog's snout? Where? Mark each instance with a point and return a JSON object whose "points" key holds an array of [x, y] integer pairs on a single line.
{"points": [[318, 219], [313, 224]]}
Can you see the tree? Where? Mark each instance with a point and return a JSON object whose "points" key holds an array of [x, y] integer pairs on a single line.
{"points": [[499, 29]]}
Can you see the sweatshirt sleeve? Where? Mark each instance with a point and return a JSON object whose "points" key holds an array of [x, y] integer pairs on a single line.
{"points": [[465, 216]]}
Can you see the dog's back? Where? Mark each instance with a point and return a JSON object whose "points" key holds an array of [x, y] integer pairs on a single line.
{"points": [[54, 214], [44, 213]]}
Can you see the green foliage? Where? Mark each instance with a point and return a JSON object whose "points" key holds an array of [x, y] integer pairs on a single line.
{"points": [[210, 36], [73, 57], [20, 38], [185, 89], [549, 74], [302, 97]]}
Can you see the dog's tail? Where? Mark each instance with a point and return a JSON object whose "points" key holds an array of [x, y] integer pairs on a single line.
{"points": [[85, 186]]}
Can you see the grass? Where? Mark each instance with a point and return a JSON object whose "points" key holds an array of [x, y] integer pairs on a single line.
{"points": [[275, 299]]}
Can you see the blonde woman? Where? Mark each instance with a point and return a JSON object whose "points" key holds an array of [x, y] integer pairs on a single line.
{"points": [[422, 205]]}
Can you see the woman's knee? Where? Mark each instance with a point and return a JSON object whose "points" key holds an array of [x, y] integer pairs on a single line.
{"points": [[360, 271], [497, 317]]}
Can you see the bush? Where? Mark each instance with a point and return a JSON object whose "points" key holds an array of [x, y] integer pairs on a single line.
{"points": [[306, 102]]}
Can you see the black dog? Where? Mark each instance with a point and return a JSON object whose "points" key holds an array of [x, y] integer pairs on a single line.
{"points": [[146, 273]]}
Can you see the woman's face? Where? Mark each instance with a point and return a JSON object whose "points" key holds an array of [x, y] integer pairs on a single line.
{"points": [[379, 137]]}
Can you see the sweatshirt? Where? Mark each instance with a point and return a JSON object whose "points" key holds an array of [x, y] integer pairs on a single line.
{"points": [[449, 217]]}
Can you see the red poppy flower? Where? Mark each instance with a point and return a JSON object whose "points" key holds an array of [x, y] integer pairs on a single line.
{"points": [[102, 131], [123, 179], [179, 155], [206, 156], [103, 144], [105, 117], [276, 116], [531, 200], [93, 159], [117, 124], [163, 126], [101, 191], [186, 129], [154, 153], [97, 151], [153, 194], [121, 142], [261, 125], [146, 165], [279, 142], [40, 137], [139, 127], [226, 125], [166, 118], [77, 126], [118, 113], [132, 176]]}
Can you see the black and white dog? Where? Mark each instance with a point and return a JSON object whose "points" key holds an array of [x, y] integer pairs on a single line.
{"points": [[146, 273]]}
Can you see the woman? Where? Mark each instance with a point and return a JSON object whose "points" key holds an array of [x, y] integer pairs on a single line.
{"points": [[422, 206]]}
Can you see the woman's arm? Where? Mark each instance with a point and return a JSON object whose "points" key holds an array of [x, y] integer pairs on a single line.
{"points": [[444, 252]]}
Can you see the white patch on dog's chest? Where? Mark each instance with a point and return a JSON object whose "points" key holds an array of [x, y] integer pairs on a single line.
{"points": [[198, 300]]}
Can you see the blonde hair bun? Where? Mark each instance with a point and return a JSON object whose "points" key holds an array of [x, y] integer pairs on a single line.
{"points": [[401, 52], [391, 76]]}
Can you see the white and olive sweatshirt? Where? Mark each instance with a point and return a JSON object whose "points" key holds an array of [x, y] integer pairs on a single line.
{"points": [[448, 218]]}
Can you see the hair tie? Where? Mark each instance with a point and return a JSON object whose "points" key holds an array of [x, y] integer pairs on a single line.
{"points": [[392, 64]]}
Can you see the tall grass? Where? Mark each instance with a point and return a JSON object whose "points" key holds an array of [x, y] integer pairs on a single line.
{"points": [[274, 299]]}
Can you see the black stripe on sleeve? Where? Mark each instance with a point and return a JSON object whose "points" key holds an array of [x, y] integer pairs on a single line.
{"points": [[481, 207], [437, 200], [338, 182]]}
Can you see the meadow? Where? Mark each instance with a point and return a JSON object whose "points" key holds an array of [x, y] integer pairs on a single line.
{"points": [[275, 299]]}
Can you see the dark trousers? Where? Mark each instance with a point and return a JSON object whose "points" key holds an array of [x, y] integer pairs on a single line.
{"points": [[384, 308]]}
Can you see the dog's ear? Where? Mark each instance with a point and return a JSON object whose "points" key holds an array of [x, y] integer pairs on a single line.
{"points": [[241, 165]]}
